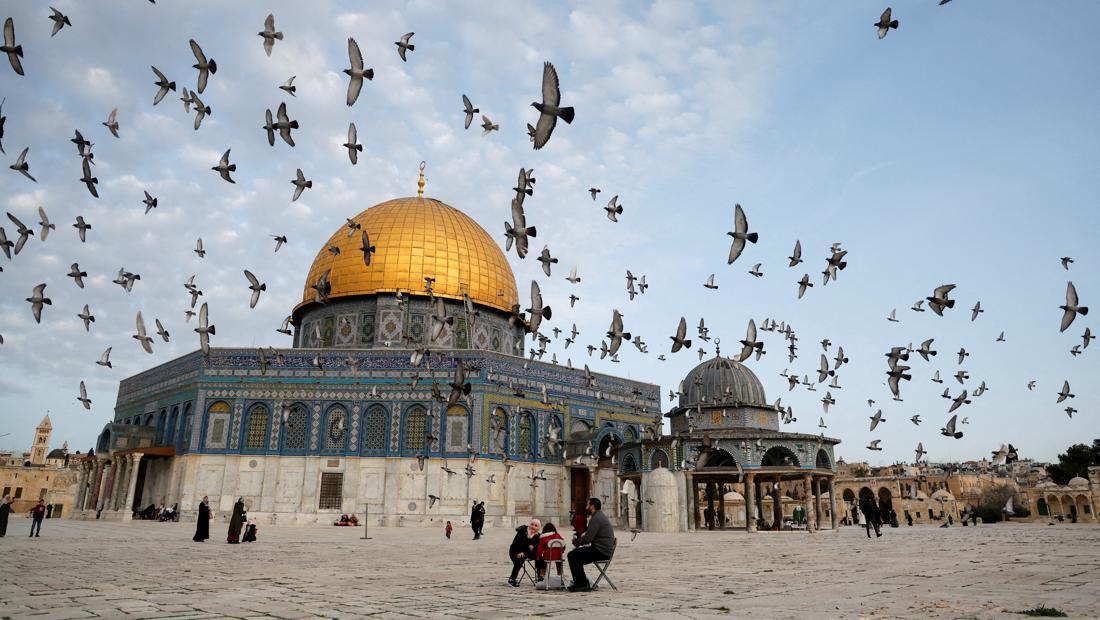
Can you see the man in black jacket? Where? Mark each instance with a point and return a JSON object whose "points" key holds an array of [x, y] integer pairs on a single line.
{"points": [[871, 515], [597, 543]]}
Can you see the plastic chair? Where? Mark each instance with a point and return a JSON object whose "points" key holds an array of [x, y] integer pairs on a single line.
{"points": [[602, 566]]}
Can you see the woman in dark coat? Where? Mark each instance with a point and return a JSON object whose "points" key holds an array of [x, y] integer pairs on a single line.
{"points": [[235, 522], [202, 526], [5, 508], [523, 547]]}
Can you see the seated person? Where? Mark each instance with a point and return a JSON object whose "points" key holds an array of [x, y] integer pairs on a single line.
{"points": [[544, 554], [250, 531], [597, 543], [523, 547], [353, 520]]}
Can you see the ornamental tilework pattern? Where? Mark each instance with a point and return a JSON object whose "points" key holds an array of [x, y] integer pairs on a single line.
{"points": [[315, 427]]}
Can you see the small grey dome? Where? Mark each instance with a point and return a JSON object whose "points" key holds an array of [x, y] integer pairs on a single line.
{"points": [[56, 453], [722, 381]]}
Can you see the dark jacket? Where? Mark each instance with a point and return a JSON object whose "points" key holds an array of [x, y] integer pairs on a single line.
{"points": [[869, 510], [523, 544], [599, 534]]}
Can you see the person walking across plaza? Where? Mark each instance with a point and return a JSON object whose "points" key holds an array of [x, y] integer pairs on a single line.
{"points": [[477, 518], [37, 514], [234, 536], [5, 509], [597, 543], [447, 530], [202, 526], [871, 515]]}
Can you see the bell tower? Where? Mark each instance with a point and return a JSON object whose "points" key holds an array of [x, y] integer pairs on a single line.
{"points": [[41, 443]]}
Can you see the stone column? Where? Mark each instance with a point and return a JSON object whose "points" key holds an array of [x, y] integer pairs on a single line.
{"points": [[807, 501], [82, 488], [817, 502], [89, 499], [750, 501], [721, 506], [760, 499], [131, 485], [104, 477], [118, 483], [692, 522], [777, 502], [832, 502]]}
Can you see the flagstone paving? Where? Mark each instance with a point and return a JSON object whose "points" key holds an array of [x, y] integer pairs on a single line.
{"points": [[86, 569]]}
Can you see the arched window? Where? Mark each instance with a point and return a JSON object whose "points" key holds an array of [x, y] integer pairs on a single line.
{"points": [[217, 425], [148, 419], [849, 496], [256, 434], [336, 429], [184, 437], [658, 459], [173, 423], [415, 428], [374, 430], [458, 428], [525, 434], [295, 425], [498, 431], [779, 456], [823, 461], [629, 434], [720, 458], [629, 464], [554, 438], [162, 424]]}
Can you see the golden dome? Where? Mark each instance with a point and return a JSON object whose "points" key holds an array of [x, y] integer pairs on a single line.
{"points": [[416, 238]]}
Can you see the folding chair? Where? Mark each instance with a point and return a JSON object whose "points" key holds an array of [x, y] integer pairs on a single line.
{"points": [[532, 574], [602, 566]]}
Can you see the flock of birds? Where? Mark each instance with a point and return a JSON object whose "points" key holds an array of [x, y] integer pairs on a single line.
{"points": [[518, 233]]}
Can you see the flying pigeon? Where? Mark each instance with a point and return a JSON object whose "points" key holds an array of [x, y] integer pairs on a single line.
{"points": [[1071, 309], [885, 23], [740, 234], [269, 34], [205, 67], [549, 110], [356, 72]]}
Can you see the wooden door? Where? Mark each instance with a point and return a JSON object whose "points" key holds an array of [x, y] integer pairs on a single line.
{"points": [[579, 488]]}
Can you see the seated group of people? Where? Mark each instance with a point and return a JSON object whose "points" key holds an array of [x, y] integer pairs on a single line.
{"points": [[347, 521], [152, 512], [593, 541]]}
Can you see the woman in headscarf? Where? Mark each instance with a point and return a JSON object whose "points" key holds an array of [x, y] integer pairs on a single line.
{"points": [[235, 522], [202, 526], [523, 547]]}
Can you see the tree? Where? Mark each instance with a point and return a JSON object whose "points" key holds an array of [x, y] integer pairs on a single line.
{"points": [[1075, 461]]}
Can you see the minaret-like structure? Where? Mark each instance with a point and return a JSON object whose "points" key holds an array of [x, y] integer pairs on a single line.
{"points": [[41, 445]]}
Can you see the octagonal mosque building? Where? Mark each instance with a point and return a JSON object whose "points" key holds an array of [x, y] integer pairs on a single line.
{"points": [[344, 421]]}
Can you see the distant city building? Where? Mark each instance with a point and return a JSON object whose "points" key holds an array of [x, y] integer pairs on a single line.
{"points": [[40, 473]]}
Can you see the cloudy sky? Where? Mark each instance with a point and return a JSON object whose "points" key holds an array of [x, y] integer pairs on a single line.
{"points": [[960, 149]]}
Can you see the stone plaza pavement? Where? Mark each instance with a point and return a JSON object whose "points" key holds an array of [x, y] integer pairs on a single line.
{"points": [[81, 569]]}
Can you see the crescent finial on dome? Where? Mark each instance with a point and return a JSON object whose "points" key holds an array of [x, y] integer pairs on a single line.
{"points": [[420, 183]]}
